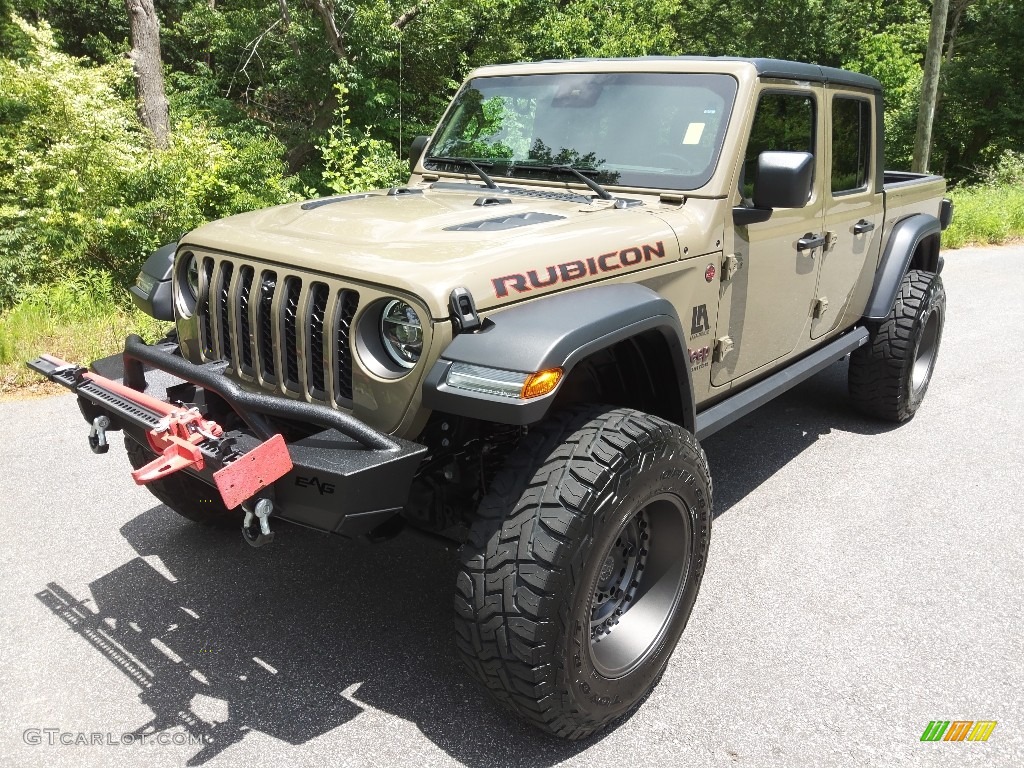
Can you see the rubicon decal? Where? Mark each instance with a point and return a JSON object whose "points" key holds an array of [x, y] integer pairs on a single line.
{"points": [[959, 730], [568, 271]]}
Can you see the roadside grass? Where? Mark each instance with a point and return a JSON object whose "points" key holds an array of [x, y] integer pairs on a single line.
{"points": [[985, 215], [79, 319]]}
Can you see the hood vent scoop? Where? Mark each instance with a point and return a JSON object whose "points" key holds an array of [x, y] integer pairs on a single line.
{"points": [[484, 200], [504, 222]]}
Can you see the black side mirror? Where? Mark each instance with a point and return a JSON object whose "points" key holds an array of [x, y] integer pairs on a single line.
{"points": [[418, 145], [784, 179]]}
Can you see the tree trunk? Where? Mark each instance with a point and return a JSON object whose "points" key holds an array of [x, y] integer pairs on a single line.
{"points": [[296, 156], [930, 86], [402, 21], [335, 37], [151, 99]]}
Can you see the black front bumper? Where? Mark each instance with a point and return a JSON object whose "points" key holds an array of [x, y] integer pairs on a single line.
{"points": [[347, 478]]}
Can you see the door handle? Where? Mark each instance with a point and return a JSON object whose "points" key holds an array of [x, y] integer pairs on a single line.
{"points": [[863, 226], [810, 242]]}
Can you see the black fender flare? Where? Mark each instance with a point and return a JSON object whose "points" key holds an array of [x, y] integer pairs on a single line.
{"points": [[903, 243], [556, 331], [152, 289]]}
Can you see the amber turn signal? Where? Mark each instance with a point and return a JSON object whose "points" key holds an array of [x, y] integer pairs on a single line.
{"points": [[541, 383]]}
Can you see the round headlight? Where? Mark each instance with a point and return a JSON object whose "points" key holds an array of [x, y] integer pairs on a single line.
{"points": [[401, 333], [192, 276], [186, 274]]}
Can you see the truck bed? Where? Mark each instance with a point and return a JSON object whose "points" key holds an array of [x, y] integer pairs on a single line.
{"points": [[908, 193]]}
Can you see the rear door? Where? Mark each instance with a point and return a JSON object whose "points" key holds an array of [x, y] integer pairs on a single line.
{"points": [[853, 206]]}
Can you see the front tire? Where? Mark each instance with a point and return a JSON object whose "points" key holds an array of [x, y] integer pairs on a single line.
{"points": [[188, 496], [889, 375], [583, 566]]}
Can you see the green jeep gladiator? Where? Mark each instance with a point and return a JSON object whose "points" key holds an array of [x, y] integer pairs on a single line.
{"points": [[594, 264]]}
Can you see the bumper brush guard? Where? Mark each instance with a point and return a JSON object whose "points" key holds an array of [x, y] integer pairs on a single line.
{"points": [[374, 471]]}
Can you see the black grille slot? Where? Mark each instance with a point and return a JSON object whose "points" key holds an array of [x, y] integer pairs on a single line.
{"points": [[265, 321], [244, 323], [348, 302], [317, 316], [203, 306], [286, 330], [224, 310], [290, 311]]}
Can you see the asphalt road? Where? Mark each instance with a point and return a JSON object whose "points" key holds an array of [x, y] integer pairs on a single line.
{"points": [[863, 581]]}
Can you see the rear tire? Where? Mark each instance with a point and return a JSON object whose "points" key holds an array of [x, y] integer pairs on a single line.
{"points": [[188, 496], [583, 566], [889, 375]]}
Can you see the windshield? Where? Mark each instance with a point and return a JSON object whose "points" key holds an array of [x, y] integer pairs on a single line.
{"points": [[660, 130]]}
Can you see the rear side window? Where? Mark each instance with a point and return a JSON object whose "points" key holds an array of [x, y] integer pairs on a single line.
{"points": [[784, 122], [851, 144]]}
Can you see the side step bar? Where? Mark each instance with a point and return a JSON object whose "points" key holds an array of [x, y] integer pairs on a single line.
{"points": [[736, 406]]}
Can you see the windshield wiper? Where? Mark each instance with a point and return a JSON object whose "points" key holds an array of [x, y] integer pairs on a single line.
{"points": [[467, 162], [602, 193]]}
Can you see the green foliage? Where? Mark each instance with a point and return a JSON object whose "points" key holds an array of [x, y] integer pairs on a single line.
{"points": [[81, 185], [13, 42], [986, 215], [78, 317], [979, 116], [355, 162]]}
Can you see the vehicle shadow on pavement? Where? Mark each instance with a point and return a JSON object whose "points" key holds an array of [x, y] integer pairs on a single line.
{"points": [[298, 638], [293, 640], [748, 452]]}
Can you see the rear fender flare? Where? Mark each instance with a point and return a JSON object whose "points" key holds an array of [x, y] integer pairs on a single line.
{"points": [[907, 237]]}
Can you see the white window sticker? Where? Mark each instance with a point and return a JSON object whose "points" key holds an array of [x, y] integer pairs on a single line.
{"points": [[693, 133]]}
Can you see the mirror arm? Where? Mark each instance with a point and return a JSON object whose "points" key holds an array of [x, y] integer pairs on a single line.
{"points": [[742, 216]]}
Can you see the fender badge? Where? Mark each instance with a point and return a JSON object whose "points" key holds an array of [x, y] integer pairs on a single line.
{"points": [[709, 273]]}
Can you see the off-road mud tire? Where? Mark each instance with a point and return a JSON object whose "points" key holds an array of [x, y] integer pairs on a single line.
{"points": [[189, 497], [889, 375], [538, 555]]}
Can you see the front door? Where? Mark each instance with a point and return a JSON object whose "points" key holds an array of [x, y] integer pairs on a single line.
{"points": [[766, 299]]}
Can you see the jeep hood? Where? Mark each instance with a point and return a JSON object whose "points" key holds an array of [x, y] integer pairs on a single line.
{"points": [[428, 242]]}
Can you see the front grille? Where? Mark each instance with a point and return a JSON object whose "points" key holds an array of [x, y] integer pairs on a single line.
{"points": [[280, 330]]}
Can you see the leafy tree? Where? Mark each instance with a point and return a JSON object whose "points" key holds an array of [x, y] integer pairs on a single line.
{"points": [[81, 185]]}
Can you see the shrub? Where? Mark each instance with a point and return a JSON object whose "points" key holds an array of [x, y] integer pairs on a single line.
{"points": [[988, 215], [81, 185], [354, 162], [80, 318]]}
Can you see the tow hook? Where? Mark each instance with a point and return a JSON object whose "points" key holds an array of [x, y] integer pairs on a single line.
{"points": [[254, 535], [98, 435]]}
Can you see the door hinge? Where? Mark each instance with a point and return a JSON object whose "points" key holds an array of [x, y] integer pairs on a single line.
{"points": [[831, 238], [723, 347], [820, 308], [730, 266]]}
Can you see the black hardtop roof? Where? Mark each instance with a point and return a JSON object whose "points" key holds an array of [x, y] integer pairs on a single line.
{"points": [[771, 68]]}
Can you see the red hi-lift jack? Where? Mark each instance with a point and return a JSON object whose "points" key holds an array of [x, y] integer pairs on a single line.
{"points": [[177, 439]]}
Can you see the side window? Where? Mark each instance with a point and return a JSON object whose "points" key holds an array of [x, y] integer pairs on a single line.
{"points": [[851, 144], [783, 122]]}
